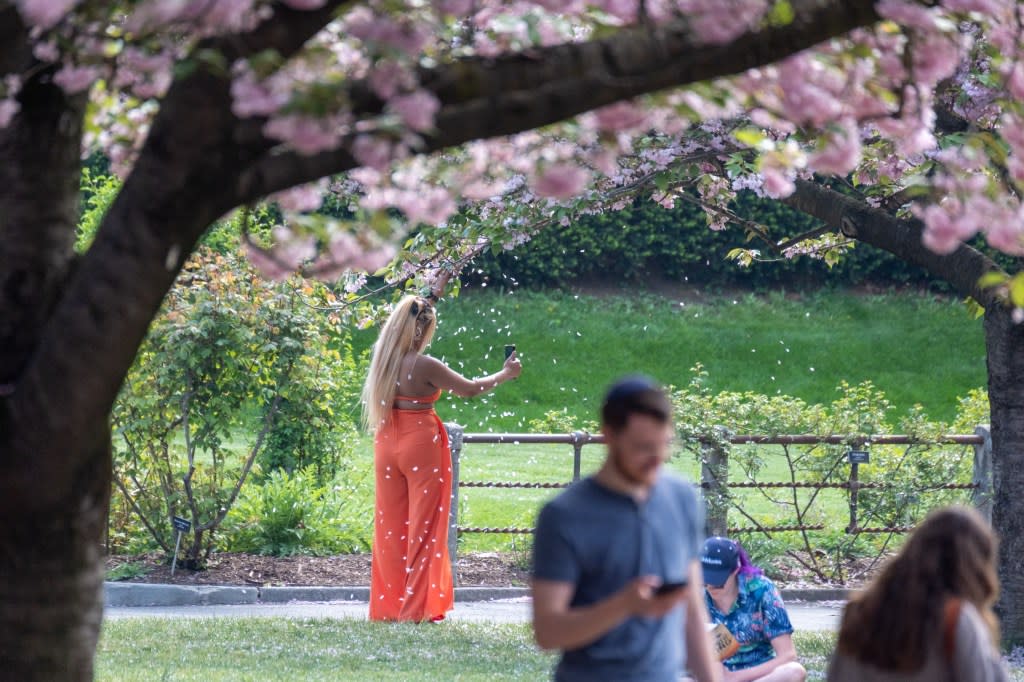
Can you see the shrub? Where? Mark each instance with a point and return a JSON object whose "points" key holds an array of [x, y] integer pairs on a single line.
{"points": [[291, 513], [908, 479], [228, 365]]}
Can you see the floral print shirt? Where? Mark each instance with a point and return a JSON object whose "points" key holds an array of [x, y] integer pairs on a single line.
{"points": [[757, 617]]}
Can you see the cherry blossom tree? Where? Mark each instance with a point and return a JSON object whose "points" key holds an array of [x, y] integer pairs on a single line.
{"points": [[476, 122]]}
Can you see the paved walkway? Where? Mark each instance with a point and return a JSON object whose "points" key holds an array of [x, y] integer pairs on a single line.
{"points": [[814, 617]]}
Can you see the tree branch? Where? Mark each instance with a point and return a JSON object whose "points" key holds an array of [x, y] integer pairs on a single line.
{"points": [[483, 98], [15, 50], [900, 237], [84, 349]]}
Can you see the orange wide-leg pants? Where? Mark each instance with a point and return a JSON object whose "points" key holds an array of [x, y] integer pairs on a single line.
{"points": [[411, 577]]}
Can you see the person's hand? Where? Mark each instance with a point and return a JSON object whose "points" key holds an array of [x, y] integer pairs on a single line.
{"points": [[730, 675], [641, 600], [513, 368]]}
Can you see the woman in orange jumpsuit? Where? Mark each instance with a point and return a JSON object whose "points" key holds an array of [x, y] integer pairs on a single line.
{"points": [[411, 571]]}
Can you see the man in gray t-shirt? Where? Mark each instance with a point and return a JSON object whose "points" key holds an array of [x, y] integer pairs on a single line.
{"points": [[604, 547]]}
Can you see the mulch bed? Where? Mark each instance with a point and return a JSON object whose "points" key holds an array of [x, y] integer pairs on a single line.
{"points": [[484, 569]]}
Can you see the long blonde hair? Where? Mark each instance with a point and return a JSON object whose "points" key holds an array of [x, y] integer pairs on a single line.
{"points": [[891, 624], [410, 327]]}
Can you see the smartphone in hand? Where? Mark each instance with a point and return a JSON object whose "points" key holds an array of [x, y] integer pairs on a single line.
{"points": [[509, 350], [665, 588]]}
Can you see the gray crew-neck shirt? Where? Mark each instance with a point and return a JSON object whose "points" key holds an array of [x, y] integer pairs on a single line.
{"points": [[599, 540]]}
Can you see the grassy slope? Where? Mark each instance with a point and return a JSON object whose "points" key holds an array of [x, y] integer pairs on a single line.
{"points": [[917, 349]]}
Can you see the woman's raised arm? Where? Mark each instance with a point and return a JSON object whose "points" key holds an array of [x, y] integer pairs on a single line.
{"points": [[440, 375]]}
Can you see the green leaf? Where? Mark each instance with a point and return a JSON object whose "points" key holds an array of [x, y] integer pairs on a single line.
{"points": [[992, 279], [1017, 290], [974, 309], [752, 137], [781, 14]]}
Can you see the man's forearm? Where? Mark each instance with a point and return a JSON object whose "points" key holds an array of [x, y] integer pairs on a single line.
{"points": [[579, 627], [700, 655]]}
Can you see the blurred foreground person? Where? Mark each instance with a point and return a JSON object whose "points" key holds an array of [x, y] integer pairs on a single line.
{"points": [[616, 578], [928, 616]]}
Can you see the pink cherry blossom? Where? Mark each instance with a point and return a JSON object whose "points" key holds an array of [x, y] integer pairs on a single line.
{"points": [[721, 21], [841, 152], [456, 8], [416, 110], [251, 97], [936, 57], [8, 109], [306, 134], [560, 181], [300, 199], [372, 151], [431, 206], [45, 14], [266, 264], [906, 13], [74, 79], [388, 78], [777, 182], [621, 116], [46, 51]]}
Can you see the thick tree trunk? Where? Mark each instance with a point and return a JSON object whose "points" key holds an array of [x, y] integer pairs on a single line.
{"points": [[51, 590], [1004, 342]]}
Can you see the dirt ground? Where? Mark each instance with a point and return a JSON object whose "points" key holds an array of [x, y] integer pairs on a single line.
{"points": [[485, 569]]}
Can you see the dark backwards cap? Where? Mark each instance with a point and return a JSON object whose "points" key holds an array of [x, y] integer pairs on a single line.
{"points": [[720, 558]]}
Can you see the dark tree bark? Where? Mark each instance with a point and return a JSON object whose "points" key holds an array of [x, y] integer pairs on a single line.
{"points": [[1004, 348]]}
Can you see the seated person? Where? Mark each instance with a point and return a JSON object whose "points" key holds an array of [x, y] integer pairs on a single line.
{"points": [[740, 597]]}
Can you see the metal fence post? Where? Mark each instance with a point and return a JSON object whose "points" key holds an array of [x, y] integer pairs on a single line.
{"points": [[455, 433], [714, 474], [981, 497], [577, 454], [853, 498]]}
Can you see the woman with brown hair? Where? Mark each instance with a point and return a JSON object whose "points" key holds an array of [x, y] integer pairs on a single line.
{"points": [[928, 616], [411, 576]]}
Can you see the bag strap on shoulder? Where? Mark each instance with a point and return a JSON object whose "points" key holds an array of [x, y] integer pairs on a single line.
{"points": [[950, 619]]}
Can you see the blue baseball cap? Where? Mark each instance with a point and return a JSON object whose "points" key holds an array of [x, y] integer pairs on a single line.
{"points": [[721, 556]]}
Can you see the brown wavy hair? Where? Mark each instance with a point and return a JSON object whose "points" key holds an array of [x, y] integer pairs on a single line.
{"points": [[894, 623]]}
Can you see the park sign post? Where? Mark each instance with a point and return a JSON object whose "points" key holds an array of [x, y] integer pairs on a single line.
{"points": [[180, 526]]}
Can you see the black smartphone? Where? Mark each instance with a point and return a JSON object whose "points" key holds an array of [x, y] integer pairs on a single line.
{"points": [[665, 588], [509, 350]]}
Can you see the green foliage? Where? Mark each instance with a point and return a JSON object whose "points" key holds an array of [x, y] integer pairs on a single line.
{"points": [[98, 191], [127, 571], [227, 364], [561, 421], [645, 241], [911, 476], [99, 188], [291, 513]]}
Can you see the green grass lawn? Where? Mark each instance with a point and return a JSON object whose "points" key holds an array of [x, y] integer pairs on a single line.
{"points": [[917, 349], [277, 649]]}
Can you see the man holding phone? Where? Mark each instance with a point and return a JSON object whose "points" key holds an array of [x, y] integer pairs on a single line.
{"points": [[616, 572]]}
